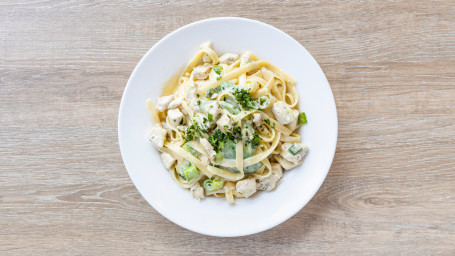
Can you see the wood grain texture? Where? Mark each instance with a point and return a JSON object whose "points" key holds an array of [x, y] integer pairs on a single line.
{"points": [[64, 189]]}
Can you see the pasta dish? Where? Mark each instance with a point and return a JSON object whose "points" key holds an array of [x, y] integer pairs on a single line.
{"points": [[228, 125]]}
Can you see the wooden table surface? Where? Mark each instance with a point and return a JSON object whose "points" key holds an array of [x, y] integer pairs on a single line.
{"points": [[64, 189]]}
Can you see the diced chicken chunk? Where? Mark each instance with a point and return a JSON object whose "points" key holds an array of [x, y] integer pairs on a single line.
{"points": [[163, 102], [296, 158], [285, 163], [212, 108], [269, 183], [194, 105], [294, 124], [224, 122], [197, 191], [246, 187], [228, 58], [257, 118], [167, 159], [176, 103], [175, 116], [157, 136], [283, 113], [208, 148], [201, 72]]}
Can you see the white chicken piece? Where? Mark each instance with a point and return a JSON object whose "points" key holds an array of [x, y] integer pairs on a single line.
{"points": [[246, 187], [163, 102], [208, 148], [294, 124], [285, 163], [228, 58], [283, 113], [296, 158], [269, 183], [194, 105], [213, 108], [201, 72], [257, 118], [167, 159], [176, 103], [197, 191], [157, 136], [224, 122], [175, 116]]}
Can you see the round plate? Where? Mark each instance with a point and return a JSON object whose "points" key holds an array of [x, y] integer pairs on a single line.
{"points": [[214, 216]]}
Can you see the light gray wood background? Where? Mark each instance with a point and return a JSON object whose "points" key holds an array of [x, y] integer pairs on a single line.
{"points": [[64, 189]]}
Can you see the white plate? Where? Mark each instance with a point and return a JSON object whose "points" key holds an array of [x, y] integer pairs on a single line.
{"points": [[214, 216]]}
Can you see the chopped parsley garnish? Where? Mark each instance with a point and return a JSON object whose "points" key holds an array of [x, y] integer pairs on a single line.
{"points": [[197, 95], [210, 117], [244, 98], [255, 140], [181, 122], [217, 69], [218, 138], [218, 78], [194, 131], [267, 121]]}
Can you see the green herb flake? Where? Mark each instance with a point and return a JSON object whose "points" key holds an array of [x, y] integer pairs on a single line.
{"points": [[217, 69]]}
